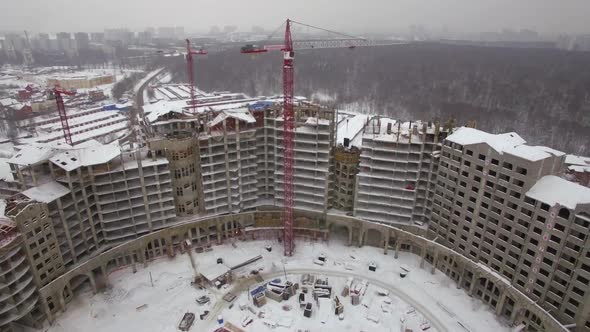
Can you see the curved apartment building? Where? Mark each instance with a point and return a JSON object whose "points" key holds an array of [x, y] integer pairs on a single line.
{"points": [[490, 199]]}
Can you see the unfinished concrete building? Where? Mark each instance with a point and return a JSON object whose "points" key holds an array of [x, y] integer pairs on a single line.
{"points": [[396, 171], [346, 167], [312, 155], [498, 203], [39, 240], [229, 162], [18, 293], [99, 195], [239, 161]]}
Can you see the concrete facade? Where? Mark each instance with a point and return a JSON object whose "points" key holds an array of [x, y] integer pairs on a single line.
{"points": [[80, 82], [397, 171], [346, 167], [18, 293], [483, 209]]}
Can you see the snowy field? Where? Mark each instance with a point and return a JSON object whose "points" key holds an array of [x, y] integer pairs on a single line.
{"points": [[133, 303]]}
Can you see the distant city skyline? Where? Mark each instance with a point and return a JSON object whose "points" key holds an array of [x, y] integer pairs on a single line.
{"points": [[548, 17]]}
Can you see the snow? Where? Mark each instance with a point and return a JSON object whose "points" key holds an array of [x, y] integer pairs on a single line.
{"points": [[571, 159], [510, 143], [351, 127], [241, 114], [531, 153], [553, 190], [579, 169], [46, 193], [499, 142], [94, 155], [5, 172], [162, 107], [33, 154], [213, 271], [133, 303]]}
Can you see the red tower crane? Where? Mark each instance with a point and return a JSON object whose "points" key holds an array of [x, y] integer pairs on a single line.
{"points": [[288, 49], [61, 109], [190, 71]]}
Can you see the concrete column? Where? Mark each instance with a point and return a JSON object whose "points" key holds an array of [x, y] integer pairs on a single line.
{"points": [[46, 310], [349, 237], [423, 257], [386, 245], [462, 271], [514, 314], [398, 245], [473, 282], [360, 238], [92, 282], [62, 301], [133, 266], [141, 253], [500, 303], [218, 227], [103, 269], [434, 261]]}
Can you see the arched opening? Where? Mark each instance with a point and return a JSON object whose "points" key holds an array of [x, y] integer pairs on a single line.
{"points": [[564, 213], [80, 282], [487, 291], [532, 321], [339, 233], [373, 238]]}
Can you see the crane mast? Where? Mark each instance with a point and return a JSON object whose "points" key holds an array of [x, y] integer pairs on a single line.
{"points": [[288, 49], [190, 72], [61, 109], [288, 136]]}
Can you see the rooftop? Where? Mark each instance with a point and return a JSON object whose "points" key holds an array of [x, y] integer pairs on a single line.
{"points": [[553, 190], [510, 143], [47, 192], [94, 155]]}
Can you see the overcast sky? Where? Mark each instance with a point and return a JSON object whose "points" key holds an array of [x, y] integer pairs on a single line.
{"points": [[457, 16]]}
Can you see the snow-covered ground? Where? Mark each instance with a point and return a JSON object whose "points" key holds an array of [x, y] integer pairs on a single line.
{"points": [[133, 303]]}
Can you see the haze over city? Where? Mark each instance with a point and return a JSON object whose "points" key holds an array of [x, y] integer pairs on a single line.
{"points": [[310, 166], [458, 16]]}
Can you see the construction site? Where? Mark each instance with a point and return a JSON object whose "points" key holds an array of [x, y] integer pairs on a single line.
{"points": [[216, 211]]}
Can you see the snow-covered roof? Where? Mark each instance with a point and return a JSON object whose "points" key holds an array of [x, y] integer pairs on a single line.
{"points": [[499, 142], [46, 193], [532, 153], [241, 114], [5, 172], [510, 143], [94, 155], [579, 168], [33, 154], [553, 190], [163, 107], [571, 159], [351, 128], [8, 101], [213, 271]]}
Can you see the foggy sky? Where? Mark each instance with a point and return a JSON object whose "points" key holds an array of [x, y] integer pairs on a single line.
{"points": [[456, 16]]}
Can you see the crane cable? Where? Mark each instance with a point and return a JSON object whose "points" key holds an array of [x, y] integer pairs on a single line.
{"points": [[326, 30], [314, 27]]}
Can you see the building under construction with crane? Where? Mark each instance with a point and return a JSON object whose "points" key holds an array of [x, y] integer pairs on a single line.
{"points": [[219, 154]]}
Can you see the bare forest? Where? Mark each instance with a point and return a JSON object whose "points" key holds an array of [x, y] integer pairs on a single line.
{"points": [[543, 94]]}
